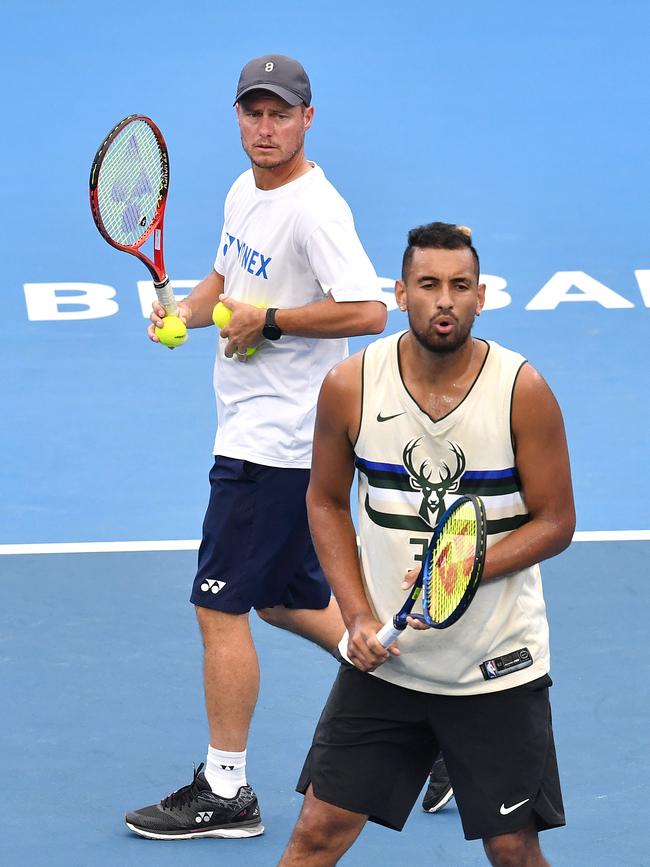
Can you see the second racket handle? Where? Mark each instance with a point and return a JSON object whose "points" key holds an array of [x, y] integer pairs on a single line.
{"points": [[166, 297], [388, 634]]}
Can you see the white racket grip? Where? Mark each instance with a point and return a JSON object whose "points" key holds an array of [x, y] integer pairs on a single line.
{"points": [[166, 297], [388, 634]]}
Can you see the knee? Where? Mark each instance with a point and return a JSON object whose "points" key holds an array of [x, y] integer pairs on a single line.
{"points": [[508, 850], [311, 841], [219, 626], [324, 830], [206, 619], [319, 842]]}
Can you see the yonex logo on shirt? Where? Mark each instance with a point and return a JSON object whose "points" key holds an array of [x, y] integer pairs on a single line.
{"points": [[249, 260]]}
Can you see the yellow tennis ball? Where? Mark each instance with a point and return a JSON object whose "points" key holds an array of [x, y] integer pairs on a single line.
{"points": [[221, 315], [173, 332]]}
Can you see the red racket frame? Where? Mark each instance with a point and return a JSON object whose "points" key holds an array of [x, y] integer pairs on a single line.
{"points": [[157, 265]]}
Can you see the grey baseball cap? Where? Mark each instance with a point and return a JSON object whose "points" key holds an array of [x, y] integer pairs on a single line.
{"points": [[280, 75]]}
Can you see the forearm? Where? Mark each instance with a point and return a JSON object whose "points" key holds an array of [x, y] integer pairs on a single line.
{"points": [[329, 318], [335, 541], [200, 302], [536, 541]]}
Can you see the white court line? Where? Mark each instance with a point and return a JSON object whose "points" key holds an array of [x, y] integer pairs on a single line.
{"points": [[101, 547], [612, 536], [193, 544]]}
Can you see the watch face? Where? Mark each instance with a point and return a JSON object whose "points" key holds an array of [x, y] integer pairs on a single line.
{"points": [[271, 331]]}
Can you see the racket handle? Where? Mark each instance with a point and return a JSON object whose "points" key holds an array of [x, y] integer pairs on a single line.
{"points": [[166, 297], [388, 634]]}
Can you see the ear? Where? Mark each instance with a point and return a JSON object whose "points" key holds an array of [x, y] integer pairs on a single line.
{"points": [[400, 294], [480, 298], [308, 116]]}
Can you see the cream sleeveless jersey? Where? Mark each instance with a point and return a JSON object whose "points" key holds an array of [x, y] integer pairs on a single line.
{"points": [[286, 247], [410, 469]]}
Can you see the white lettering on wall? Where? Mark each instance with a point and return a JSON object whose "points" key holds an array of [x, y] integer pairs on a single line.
{"points": [[558, 288], [643, 279], [52, 301]]}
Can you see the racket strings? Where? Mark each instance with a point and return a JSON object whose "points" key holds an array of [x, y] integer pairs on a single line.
{"points": [[130, 183], [450, 566]]}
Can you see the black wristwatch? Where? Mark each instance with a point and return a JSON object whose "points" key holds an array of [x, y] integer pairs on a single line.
{"points": [[271, 331]]}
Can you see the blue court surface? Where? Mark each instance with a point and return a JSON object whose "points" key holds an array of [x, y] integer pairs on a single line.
{"points": [[527, 122]]}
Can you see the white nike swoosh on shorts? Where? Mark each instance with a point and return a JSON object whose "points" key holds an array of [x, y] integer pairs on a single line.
{"points": [[505, 810]]}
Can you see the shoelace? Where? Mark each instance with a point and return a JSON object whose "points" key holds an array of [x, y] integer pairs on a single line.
{"points": [[185, 794]]}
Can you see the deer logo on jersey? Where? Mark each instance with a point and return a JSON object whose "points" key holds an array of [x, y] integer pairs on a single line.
{"points": [[433, 489]]}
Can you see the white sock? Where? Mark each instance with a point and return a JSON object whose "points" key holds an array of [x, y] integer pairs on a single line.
{"points": [[225, 772]]}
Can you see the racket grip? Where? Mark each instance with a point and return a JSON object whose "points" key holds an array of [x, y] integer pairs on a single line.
{"points": [[388, 634], [166, 297]]}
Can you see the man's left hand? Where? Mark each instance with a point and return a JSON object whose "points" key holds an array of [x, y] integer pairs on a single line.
{"points": [[244, 329]]}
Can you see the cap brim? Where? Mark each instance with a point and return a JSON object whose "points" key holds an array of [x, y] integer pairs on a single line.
{"points": [[284, 94]]}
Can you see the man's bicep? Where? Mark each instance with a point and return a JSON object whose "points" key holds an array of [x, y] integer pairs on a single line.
{"points": [[542, 456], [333, 456], [340, 263]]}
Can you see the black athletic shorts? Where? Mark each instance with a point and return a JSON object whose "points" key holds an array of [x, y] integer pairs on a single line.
{"points": [[375, 743], [256, 550]]}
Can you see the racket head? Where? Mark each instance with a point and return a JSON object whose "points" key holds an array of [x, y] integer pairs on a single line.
{"points": [[453, 564], [129, 180]]}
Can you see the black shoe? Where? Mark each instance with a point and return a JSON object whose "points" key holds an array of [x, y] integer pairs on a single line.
{"points": [[439, 790], [195, 811]]}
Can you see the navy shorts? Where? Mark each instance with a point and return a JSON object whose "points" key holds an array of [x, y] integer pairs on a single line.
{"points": [[256, 550], [375, 744]]}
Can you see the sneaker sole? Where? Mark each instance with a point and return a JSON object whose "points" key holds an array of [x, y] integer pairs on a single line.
{"points": [[441, 803], [230, 833]]}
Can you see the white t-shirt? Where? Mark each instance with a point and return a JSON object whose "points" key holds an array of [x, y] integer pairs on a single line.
{"points": [[284, 248]]}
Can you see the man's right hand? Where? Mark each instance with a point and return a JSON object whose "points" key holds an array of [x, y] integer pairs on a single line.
{"points": [[158, 314], [364, 650]]}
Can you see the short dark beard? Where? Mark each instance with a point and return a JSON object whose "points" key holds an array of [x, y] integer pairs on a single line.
{"points": [[277, 164], [438, 345]]}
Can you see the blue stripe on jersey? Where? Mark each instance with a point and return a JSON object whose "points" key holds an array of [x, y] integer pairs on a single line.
{"points": [[474, 475], [386, 468], [468, 475]]}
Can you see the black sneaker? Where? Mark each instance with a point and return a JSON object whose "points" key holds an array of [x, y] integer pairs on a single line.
{"points": [[195, 811], [439, 790]]}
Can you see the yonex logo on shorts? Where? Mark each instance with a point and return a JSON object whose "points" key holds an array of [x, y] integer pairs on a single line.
{"points": [[203, 817], [211, 584]]}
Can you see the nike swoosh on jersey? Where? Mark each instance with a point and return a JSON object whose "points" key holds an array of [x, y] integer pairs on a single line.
{"points": [[381, 417], [505, 810]]}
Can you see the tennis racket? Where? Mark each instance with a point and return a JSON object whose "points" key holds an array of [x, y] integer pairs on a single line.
{"points": [[129, 179], [450, 572]]}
